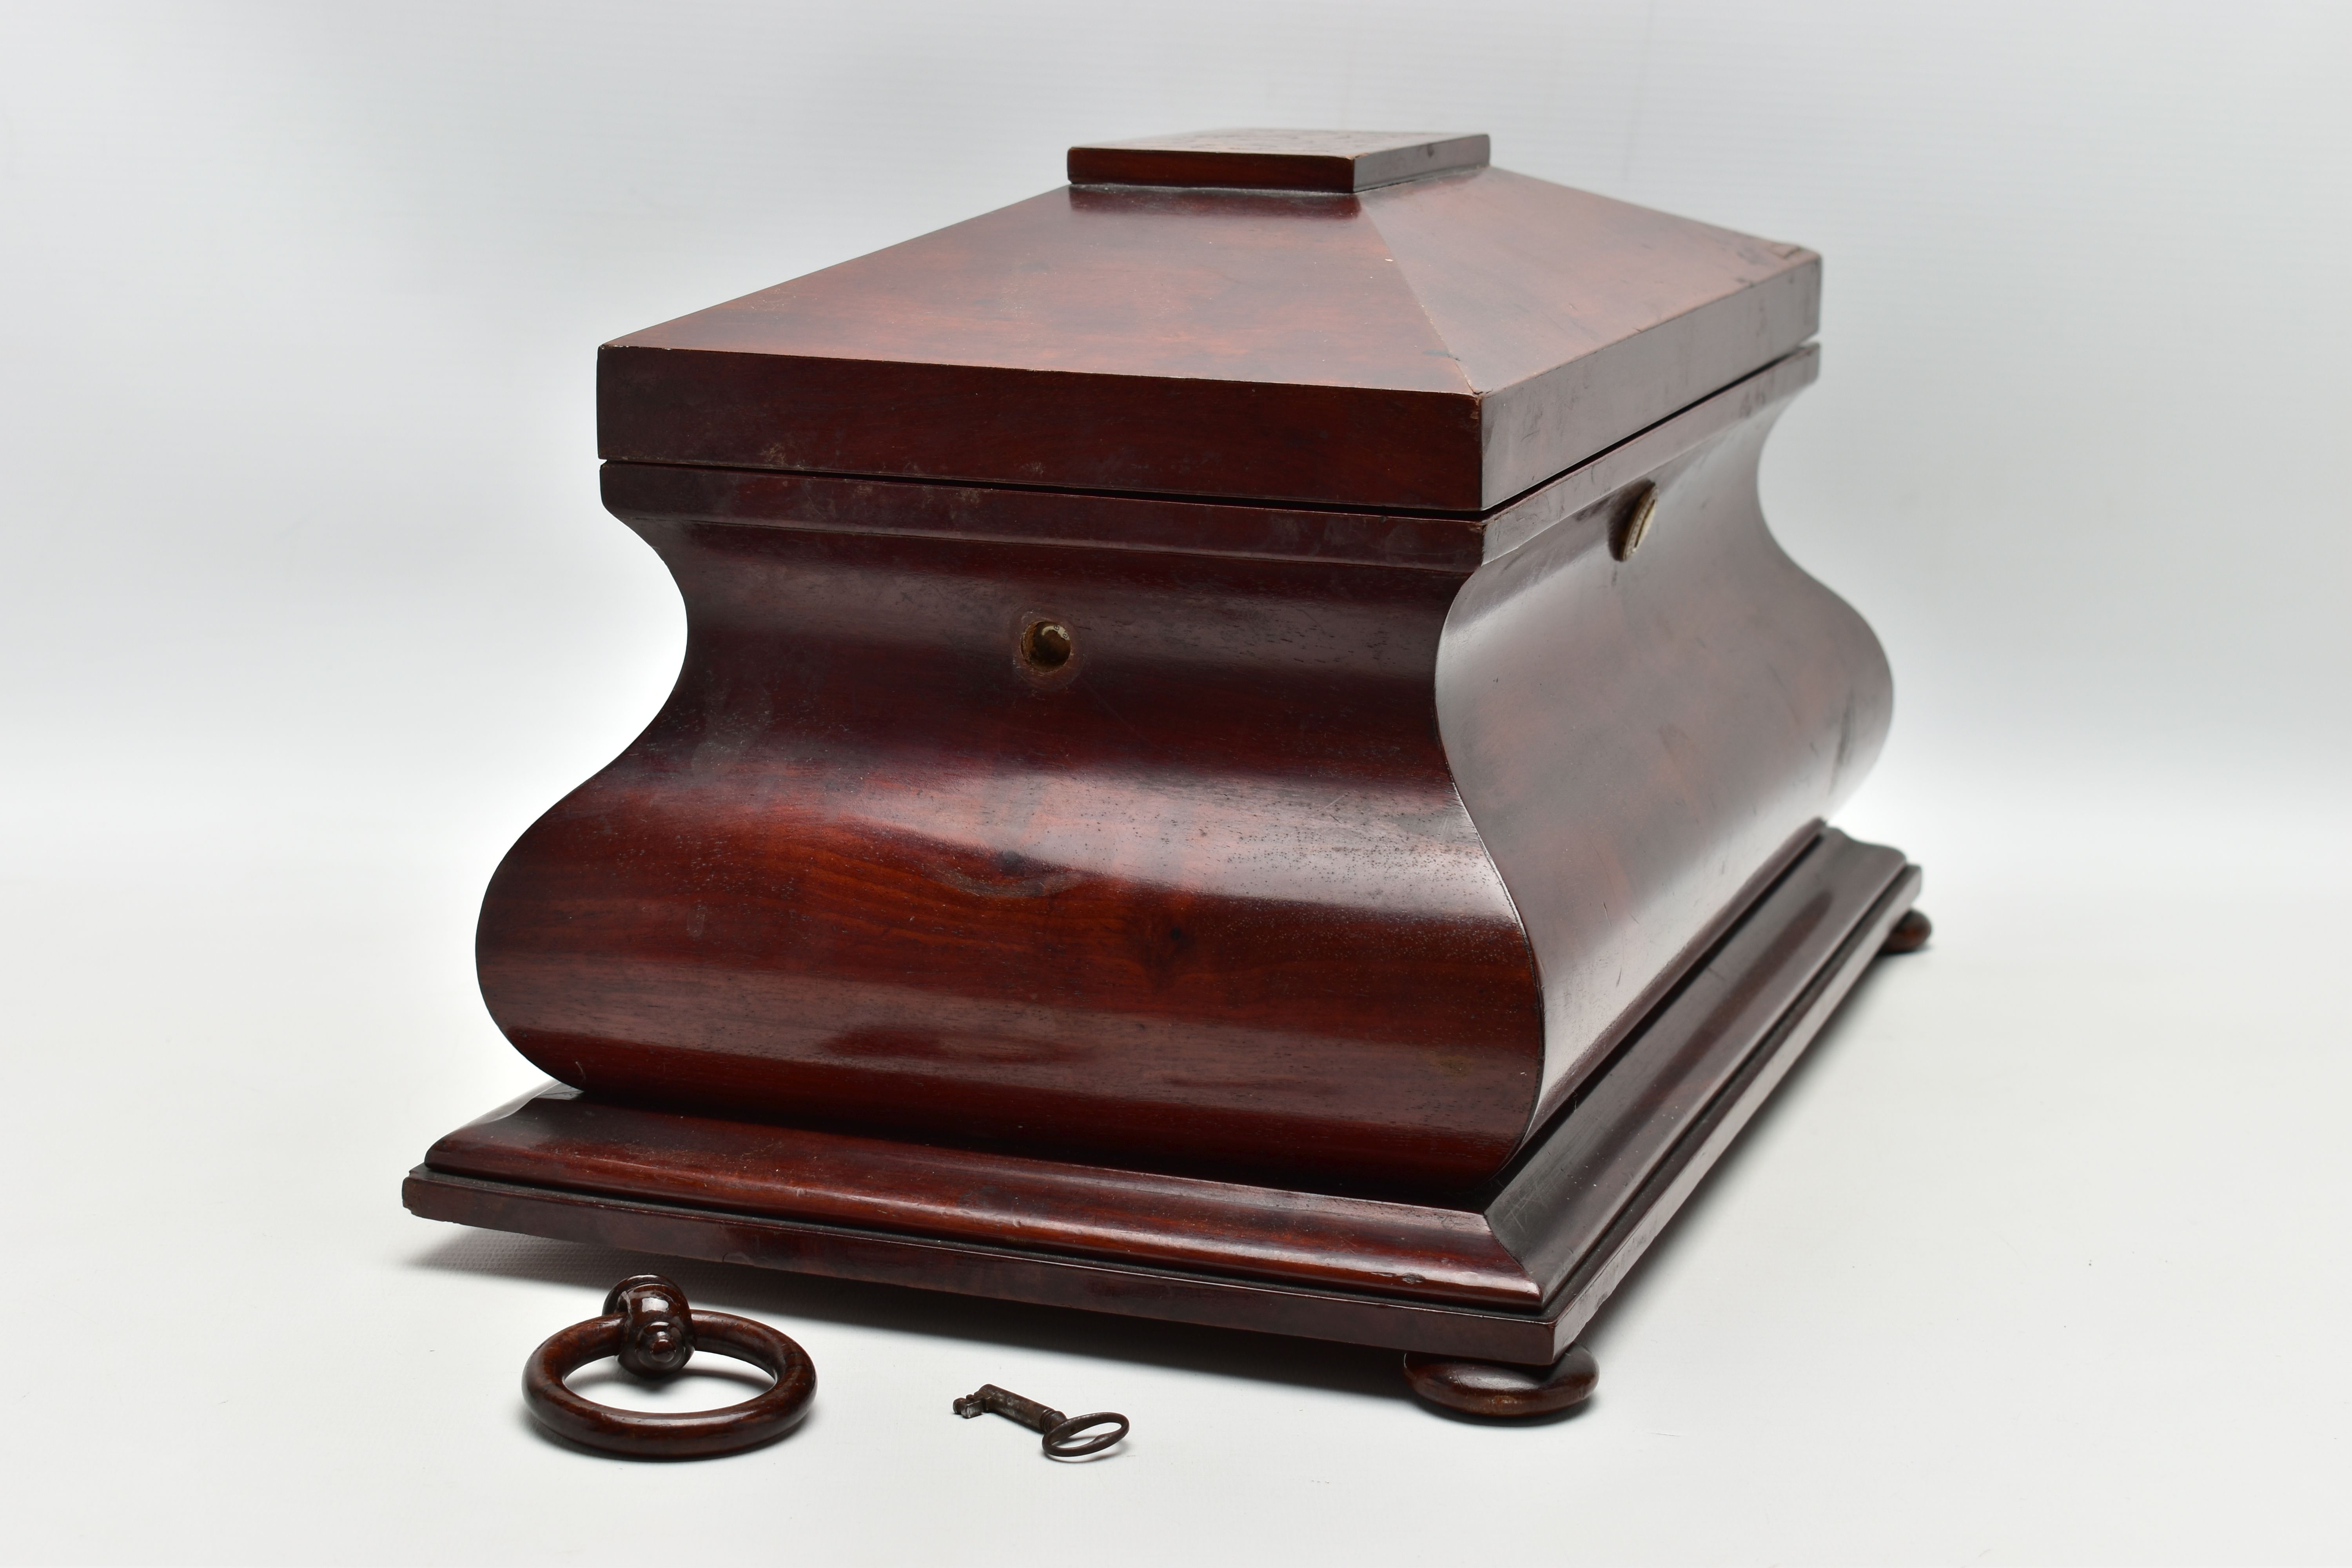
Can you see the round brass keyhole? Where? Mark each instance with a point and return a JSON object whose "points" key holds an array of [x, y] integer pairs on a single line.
{"points": [[1045, 646]]}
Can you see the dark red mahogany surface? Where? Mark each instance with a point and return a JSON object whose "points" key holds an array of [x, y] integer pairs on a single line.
{"points": [[1245, 754]]}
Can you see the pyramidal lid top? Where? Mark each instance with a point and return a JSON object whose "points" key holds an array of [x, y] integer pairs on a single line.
{"points": [[1364, 319]]}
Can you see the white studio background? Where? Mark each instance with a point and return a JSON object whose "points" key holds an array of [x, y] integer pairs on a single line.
{"points": [[309, 608]]}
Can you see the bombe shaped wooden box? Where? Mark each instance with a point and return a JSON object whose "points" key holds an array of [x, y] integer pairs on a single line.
{"points": [[1244, 754]]}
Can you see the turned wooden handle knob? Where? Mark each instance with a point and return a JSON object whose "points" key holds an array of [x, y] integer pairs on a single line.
{"points": [[657, 1324]]}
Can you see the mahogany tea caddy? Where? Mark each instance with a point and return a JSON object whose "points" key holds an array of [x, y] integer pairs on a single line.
{"points": [[1244, 755]]}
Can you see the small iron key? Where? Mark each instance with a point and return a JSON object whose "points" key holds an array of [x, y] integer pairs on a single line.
{"points": [[1061, 1432]]}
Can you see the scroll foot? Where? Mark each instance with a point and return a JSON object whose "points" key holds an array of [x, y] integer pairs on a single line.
{"points": [[1489, 1388]]}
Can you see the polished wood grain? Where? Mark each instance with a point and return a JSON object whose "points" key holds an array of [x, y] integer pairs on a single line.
{"points": [[1000, 514], [1202, 897], [559, 1138], [656, 492], [1445, 343], [1245, 754], [1644, 740], [1484, 1388], [1571, 1218], [1339, 161], [1286, 874], [1787, 956], [1511, 1245]]}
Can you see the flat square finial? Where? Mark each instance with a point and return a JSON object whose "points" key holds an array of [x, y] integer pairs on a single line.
{"points": [[1337, 161]]}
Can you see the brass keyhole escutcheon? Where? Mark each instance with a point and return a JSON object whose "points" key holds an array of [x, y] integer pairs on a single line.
{"points": [[1633, 522], [1046, 645]]}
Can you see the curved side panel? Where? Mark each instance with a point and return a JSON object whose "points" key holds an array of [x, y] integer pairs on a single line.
{"points": [[1644, 743], [1201, 897]]}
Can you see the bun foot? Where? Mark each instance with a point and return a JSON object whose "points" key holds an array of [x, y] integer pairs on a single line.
{"points": [[1488, 1388], [1910, 934]]}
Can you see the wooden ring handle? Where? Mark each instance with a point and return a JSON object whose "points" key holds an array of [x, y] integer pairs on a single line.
{"points": [[665, 1434]]}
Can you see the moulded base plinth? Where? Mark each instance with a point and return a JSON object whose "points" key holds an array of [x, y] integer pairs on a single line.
{"points": [[1511, 1275]]}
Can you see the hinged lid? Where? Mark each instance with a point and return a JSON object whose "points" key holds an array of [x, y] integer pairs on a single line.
{"points": [[1357, 318]]}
